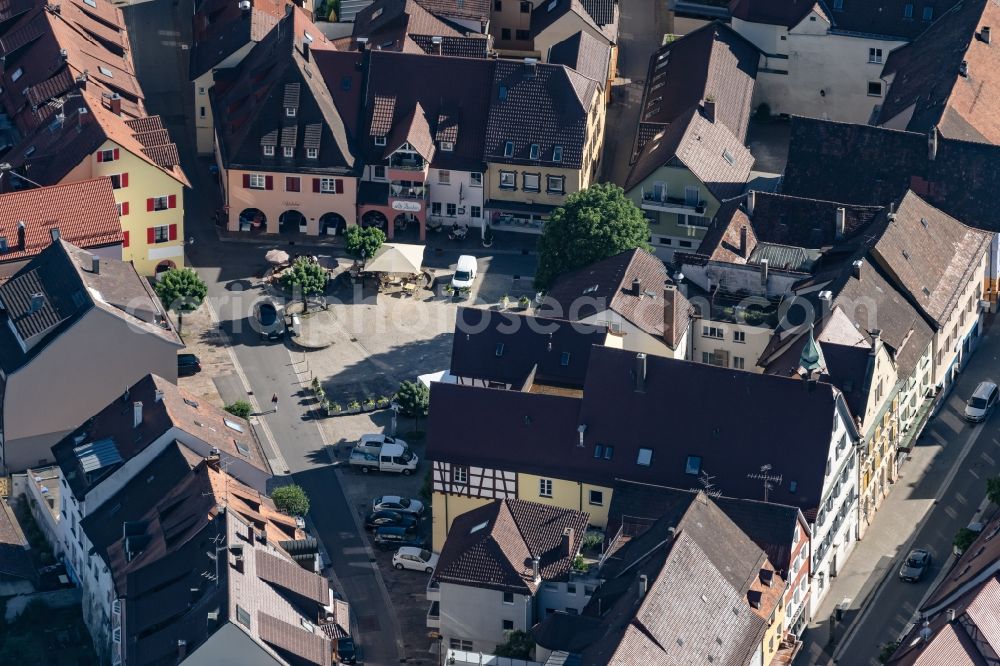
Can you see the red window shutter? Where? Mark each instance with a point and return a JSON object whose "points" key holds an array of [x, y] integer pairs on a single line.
{"points": [[172, 201], [150, 237], [340, 186], [116, 154], [124, 209], [315, 184], [149, 205], [246, 181], [124, 180], [124, 239], [100, 155], [173, 232], [268, 182]]}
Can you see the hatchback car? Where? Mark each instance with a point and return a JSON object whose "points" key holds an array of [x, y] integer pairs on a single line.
{"points": [[187, 364], [270, 323], [386, 518], [388, 538], [417, 559], [347, 653], [397, 503], [915, 565], [981, 402]]}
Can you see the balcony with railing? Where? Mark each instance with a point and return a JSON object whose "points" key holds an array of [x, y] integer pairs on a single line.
{"points": [[408, 190], [659, 200], [407, 167]]}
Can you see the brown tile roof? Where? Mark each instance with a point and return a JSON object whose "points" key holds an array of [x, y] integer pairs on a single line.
{"points": [[931, 255], [546, 105], [600, 15], [313, 648], [493, 546], [928, 82], [251, 100], [408, 26], [175, 408], [613, 279], [823, 158], [414, 130], [15, 560], [292, 577], [981, 556], [472, 46], [469, 9], [84, 212], [220, 28]]}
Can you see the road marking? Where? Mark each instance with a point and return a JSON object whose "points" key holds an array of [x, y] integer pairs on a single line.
{"points": [[985, 456], [950, 512], [961, 498]]}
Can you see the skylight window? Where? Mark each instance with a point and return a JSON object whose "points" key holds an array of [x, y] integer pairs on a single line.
{"points": [[105, 71], [645, 457], [564, 359], [590, 290], [557, 153], [499, 350], [18, 73], [480, 526], [242, 448], [233, 425], [553, 5], [693, 465], [728, 156], [92, 3], [535, 151], [508, 149]]}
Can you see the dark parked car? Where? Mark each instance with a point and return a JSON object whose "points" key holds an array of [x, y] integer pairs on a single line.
{"points": [[388, 519], [915, 566], [391, 538], [187, 364], [270, 323], [346, 652]]}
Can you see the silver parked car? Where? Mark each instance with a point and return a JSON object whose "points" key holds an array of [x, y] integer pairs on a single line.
{"points": [[981, 403]]}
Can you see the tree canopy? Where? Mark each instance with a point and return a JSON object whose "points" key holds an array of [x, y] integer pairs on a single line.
{"points": [[594, 224], [181, 290], [414, 400], [305, 277], [363, 242], [291, 500]]}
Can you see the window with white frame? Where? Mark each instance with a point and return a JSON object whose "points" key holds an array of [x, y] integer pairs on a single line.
{"points": [[508, 149], [451, 210], [287, 151], [476, 179], [459, 474], [378, 172], [476, 212], [18, 73], [447, 146], [508, 180], [444, 177], [161, 203], [535, 151], [712, 332], [435, 208], [268, 151], [532, 182], [290, 111], [107, 155], [161, 234], [738, 362], [596, 497], [874, 55], [257, 181], [874, 88], [380, 141], [312, 153], [555, 184], [557, 153], [739, 336], [545, 487], [328, 185]]}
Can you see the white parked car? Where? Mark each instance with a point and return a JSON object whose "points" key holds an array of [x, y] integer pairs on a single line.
{"points": [[397, 503], [378, 439], [981, 402], [465, 272], [417, 559]]}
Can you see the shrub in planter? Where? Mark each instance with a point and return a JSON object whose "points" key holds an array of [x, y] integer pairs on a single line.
{"points": [[353, 406], [321, 396], [488, 236], [369, 404], [524, 302], [383, 402], [504, 301], [316, 387], [333, 408]]}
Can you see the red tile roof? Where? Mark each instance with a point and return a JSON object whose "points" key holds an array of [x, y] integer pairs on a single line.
{"points": [[84, 212]]}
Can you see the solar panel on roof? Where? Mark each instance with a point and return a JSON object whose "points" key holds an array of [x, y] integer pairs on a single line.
{"points": [[97, 455]]}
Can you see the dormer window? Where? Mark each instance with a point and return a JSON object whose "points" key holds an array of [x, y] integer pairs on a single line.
{"points": [[535, 151], [288, 151], [447, 146], [312, 153], [508, 149], [17, 74], [557, 153], [380, 141], [268, 151], [290, 111]]}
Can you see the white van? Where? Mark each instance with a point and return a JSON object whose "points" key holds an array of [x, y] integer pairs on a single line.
{"points": [[465, 272]]}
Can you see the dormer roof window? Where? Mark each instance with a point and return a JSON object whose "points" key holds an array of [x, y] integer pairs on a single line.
{"points": [[290, 111], [535, 151], [508, 149]]}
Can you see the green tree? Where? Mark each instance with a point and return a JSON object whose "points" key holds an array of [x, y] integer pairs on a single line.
{"points": [[363, 242], [964, 539], [181, 290], [593, 224], [518, 646], [305, 277], [414, 400], [291, 500], [993, 489], [240, 408]]}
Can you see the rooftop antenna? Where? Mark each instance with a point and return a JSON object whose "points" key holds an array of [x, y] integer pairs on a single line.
{"points": [[768, 479], [706, 482]]}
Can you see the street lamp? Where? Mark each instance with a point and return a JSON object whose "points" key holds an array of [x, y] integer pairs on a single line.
{"points": [[395, 414]]}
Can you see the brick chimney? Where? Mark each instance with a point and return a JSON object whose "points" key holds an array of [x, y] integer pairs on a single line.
{"points": [[566, 544], [984, 34], [743, 241], [115, 104], [640, 372], [136, 414], [709, 106], [636, 286]]}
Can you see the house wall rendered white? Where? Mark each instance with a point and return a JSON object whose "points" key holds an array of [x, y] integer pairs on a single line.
{"points": [[456, 188], [477, 614]]}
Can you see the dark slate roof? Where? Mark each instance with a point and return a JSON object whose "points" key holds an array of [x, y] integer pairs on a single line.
{"points": [[574, 293], [60, 283], [543, 104], [823, 159], [773, 12], [584, 53], [509, 347], [598, 14], [538, 434], [926, 76], [493, 546], [700, 567], [249, 101], [932, 256], [459, 9], [771, 526], [406, 25], [399, 83], [220, 28], [602, 11]]}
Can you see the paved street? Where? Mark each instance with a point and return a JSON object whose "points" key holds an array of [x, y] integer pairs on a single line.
{"points": [[940, 490]]}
